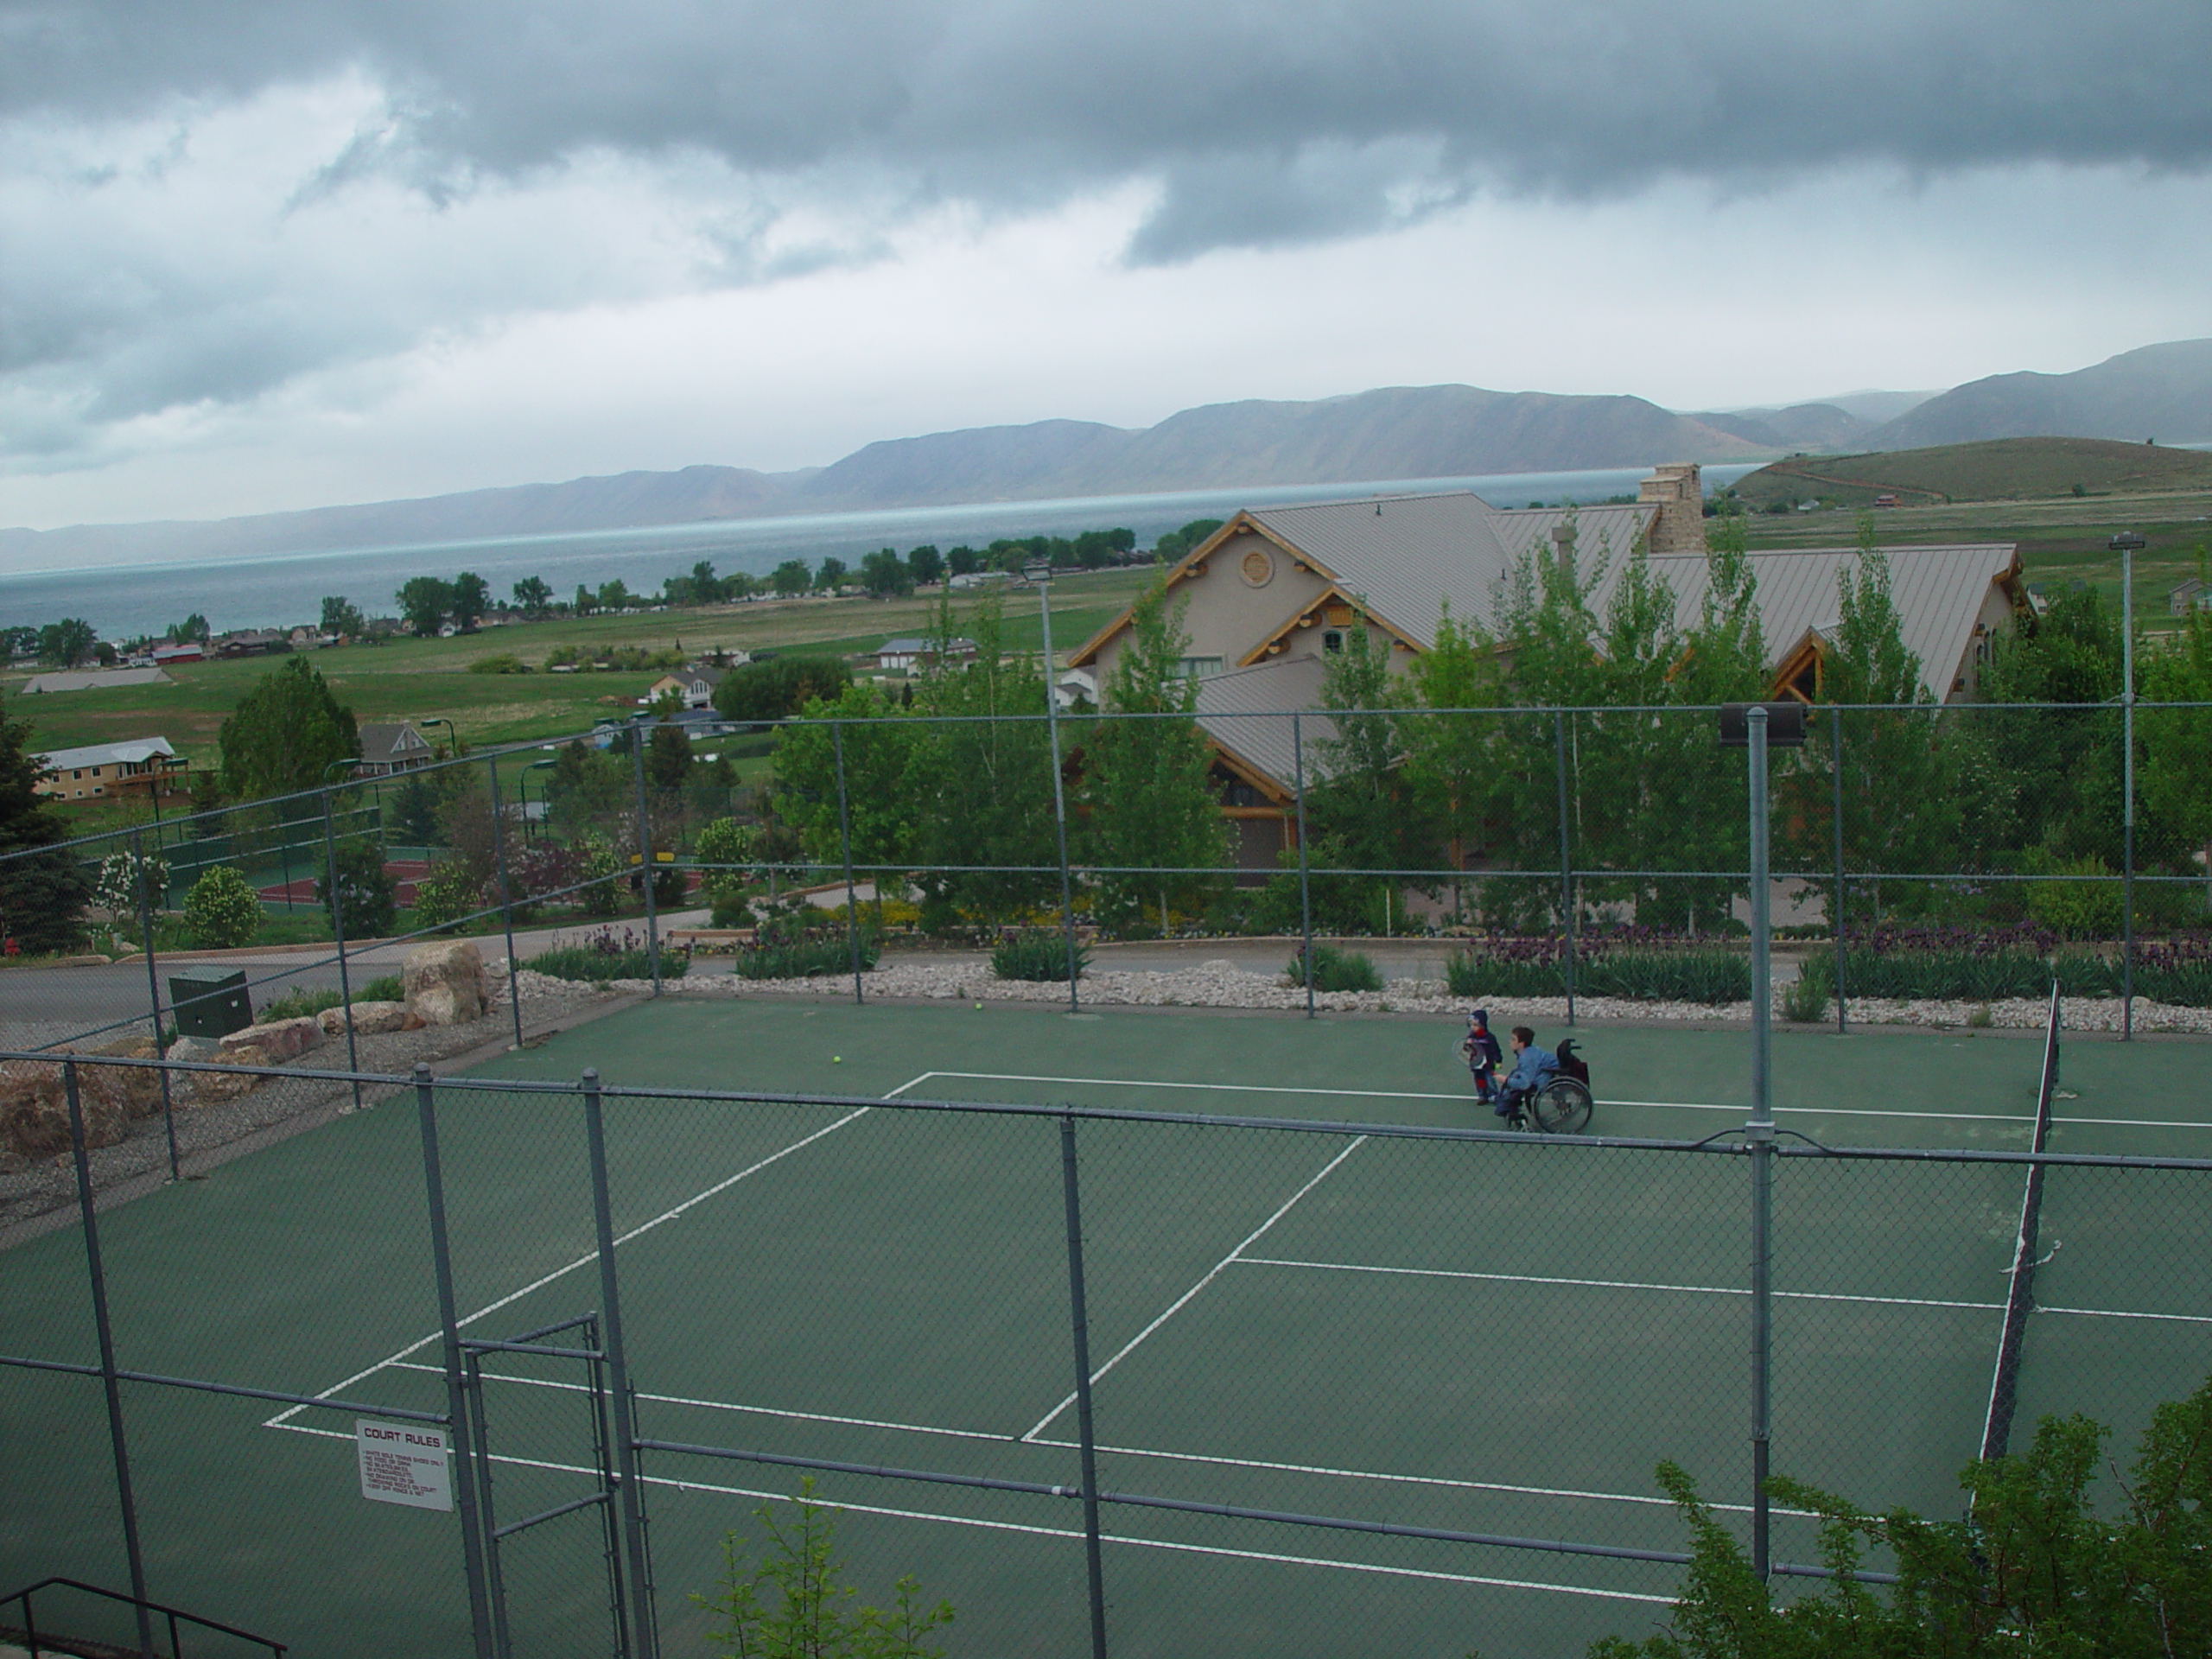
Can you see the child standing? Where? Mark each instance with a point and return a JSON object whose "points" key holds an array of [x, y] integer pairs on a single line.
{"points": [[1484, 1056]]}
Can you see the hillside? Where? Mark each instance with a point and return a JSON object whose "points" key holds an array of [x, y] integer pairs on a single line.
{"points": [[1400, 432], [2006, 469], [2160, 391]]}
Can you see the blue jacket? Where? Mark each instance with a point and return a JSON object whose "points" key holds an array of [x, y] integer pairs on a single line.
{"points": [[1531, 1066]]}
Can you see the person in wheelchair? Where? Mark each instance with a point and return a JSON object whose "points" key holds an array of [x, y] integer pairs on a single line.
{"points": [[1533, 1068]]}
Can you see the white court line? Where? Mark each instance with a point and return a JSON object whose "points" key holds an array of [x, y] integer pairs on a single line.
{"points": [[1716, 1290], [1212, 1273], [727, 1405], [1621, 1284], [280, 1419], [1453, 1482], [1123, 1539], [1665, 1105]]}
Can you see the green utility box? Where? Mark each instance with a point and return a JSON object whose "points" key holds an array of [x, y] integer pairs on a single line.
{"points": [[212, 1005]]}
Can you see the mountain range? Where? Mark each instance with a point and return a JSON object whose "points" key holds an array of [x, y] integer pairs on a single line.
{"points": [[2161, 391]]}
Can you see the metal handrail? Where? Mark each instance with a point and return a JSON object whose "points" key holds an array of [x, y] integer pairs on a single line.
{"points": [[172, 1615]]}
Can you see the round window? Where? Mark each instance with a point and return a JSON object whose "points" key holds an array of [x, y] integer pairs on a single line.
{"points": [[1258, 569]]}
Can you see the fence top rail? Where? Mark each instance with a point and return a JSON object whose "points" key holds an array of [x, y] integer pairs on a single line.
{"points": [[1715, 1144]]}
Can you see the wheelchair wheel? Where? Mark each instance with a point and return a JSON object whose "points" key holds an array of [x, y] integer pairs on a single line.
{"points": [[1563, 1108]]}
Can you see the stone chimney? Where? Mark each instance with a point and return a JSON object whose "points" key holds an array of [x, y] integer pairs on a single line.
{"points": [[1676, 490]]}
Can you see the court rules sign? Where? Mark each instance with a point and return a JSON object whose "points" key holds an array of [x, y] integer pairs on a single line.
{"points": [[403, 1463]]}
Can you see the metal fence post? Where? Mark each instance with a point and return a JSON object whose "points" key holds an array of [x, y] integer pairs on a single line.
{"points": [[1059, 791], [1305, 885], [464, 1492], [1566, 867], [1836, 921], [117, 1441], [845, 845], [645, 855], [507, 896], [338, 934], [617, 1373], [154, 987], [1759, 1134], [1090, 1452]]}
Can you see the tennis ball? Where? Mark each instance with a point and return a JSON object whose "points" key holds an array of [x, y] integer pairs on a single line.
{"points": [[837, 1059], [979, 1005]]}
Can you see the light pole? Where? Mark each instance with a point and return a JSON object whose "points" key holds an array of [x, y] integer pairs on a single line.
{"points": [[1040, 574], [2124, 544]]}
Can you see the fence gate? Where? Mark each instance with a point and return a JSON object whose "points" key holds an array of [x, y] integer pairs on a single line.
{"points": [[544, 1463]]}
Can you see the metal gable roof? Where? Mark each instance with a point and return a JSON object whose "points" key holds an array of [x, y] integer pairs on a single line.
{"points": [[1939, 592], [134, 753], [1407, 556], [1246, 711]]}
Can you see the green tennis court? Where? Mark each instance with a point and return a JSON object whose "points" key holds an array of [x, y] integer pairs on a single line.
{"points": [[1499, 1338]]}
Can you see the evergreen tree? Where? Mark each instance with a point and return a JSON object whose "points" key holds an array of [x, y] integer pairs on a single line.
{"points": [[285, 734], [43, 887], [1145, 780]]}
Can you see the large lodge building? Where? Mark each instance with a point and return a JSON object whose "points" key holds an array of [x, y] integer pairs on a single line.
{"points": [[1272, 592]]}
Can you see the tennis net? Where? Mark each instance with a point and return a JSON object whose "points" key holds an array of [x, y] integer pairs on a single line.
{"points": [[2004, 1382]]}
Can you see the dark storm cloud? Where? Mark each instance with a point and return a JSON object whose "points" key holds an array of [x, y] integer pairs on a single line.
{"points": [[1265, 123], [148, 268]]}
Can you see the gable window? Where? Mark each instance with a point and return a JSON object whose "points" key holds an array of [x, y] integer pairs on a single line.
{"points": [[1333, 640]]}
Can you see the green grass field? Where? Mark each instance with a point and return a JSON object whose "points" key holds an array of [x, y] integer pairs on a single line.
{"points": [[411, 679], [1486, 1337], [2001, 470]]}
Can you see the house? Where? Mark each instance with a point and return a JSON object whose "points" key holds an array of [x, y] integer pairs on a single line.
{"points": [[187, 650], [694, 684], [391, 745], [1276, 591], [978, 579], [144, 769], [2195, 594], [905, 656], [253, 642]]}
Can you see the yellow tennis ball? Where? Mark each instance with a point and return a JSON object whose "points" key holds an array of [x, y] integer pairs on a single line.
{"points": [[979, 1005], [837, 1059]]}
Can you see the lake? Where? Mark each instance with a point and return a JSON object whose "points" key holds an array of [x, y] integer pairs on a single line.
{"points": [[125, 602]]}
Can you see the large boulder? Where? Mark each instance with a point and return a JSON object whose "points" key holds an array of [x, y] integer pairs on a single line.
{"points": [[229, 1085], [370, 1019], [134, 1090], [280, 1039], [445, 983], [35, 1110]]}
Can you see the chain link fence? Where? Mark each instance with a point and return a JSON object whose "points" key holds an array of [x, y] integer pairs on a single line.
{"points": [[1121, 1379]]}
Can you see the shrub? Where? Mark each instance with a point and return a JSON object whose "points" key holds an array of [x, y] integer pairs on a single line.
{"points": [[732, 908], [1805, 1000], [1966, 975], [1336, 970], [365, 901], [1507, 967], [1036, 954], [125, 878], [220, 912], [384, 989], [2086, 907], [295, 1005], [604, 956], [505, 662], [807, 958], [445, 895], [598, 864], [724, 842]]}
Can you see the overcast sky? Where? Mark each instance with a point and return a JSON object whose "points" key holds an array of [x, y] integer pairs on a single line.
{"points": [[273, 253]]}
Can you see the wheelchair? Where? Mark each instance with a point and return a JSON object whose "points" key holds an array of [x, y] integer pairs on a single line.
{"points": [[1563, 1105]]}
